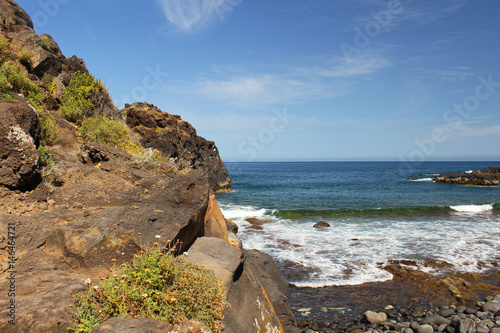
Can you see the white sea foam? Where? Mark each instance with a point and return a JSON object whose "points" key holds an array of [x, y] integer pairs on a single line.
{"points": [[421, 180], [473, 209], [469, 171], [354, 250], [242, 212]]}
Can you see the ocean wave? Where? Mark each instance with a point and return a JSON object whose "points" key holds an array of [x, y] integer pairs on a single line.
{"points": [[355, 250], [231, 212], [372, 212], [473, 209]]}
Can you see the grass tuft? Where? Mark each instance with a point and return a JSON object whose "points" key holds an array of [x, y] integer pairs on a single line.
{"points": [[155, 285], [104, 130]]}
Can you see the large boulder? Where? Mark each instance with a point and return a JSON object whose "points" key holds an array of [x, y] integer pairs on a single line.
{"points": [[257, 299], [178, 139], [19, 136], [256, 291]]}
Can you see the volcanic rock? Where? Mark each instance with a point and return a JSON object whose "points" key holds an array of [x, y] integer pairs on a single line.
{"points": [[19, 136], [178, 139]]}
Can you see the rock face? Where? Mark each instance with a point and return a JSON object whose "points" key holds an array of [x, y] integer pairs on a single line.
{"points": [[101, 209], [19, 136], [178, 139], [485, 177]]}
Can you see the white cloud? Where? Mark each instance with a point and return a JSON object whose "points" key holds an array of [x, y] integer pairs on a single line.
{"points": [[366, 63], [481, 131], [455, 74], [194, 15], [269, 89]]}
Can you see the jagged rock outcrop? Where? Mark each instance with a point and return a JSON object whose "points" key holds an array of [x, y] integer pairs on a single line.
{"points": [[46, 61], [178, 139], [19, 136], [485, 177]]}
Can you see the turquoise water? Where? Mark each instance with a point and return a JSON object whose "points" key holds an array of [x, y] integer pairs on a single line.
{"points": [[375, 216]]}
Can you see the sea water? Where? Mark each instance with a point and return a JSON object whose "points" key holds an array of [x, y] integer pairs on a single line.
{"points": [[376, 214]]}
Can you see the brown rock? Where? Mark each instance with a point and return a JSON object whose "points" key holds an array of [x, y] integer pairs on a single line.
{"points": [[178, 139], [215, 223], [219, 256]]}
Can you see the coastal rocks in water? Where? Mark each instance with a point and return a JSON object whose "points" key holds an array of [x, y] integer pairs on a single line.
{"points": [[19, 136], [256, 224], [486, 177], [321, 225], [178, 139]]}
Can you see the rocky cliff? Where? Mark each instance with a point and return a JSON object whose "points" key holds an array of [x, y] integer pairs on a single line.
{"points": [[72, 207]]}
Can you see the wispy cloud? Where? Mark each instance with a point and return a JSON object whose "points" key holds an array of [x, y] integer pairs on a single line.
{"points": [[455, 74], [364, 64], [481, 131], [195, 15], [269, 89]]}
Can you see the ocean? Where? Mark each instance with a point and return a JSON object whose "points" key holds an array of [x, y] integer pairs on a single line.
{"points": [[375, 216]]}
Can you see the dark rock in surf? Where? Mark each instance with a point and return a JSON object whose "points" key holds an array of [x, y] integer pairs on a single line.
{"points": [[322, 225]]}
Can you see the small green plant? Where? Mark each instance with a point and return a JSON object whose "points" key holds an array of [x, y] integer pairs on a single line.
{"points": [[51, 173], [49, 134], [155, 285], [25, 55], [14, 78], [104, 130], [45, 42], [76, 99], [153, 160]]}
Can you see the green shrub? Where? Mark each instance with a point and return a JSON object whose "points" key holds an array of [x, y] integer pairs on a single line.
{"points": [[153, 160], [104, 130], [45, 43], [49, 135], [25, 55], [155, 285], [14, 79], [76, 99]]}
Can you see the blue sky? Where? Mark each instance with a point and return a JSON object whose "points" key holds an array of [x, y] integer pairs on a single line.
{"points": [[300, 80]]}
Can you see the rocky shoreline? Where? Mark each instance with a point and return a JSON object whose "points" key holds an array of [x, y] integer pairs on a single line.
{"points": [[405, 301], [483, 317], [395, 306]]}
